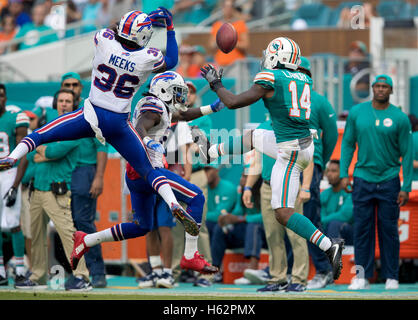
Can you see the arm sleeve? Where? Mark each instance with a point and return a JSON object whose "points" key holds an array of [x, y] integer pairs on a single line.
{"points": [[151, 107], [407, 154], [348, 146], [172, 50], [328, 124], [100, 147], [58, 150], [238, 210], [22, 120], [323, 198], [254, 218], [265, 79], [30, 156]]}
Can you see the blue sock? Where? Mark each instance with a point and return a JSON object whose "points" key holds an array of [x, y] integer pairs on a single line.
{"points": [[127, 230]]}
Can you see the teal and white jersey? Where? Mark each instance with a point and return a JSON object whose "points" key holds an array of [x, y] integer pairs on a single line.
{"points": [[290, 105], [8, 123]]}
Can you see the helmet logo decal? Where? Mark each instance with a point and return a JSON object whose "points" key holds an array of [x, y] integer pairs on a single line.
{"points": [[164, 76], [142, 25], [275, 46]]}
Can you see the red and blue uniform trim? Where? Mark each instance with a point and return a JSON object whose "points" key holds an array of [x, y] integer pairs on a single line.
{"points": [[151, 107], [127, 25], [158, 182], [117, 233], [60, 121]]}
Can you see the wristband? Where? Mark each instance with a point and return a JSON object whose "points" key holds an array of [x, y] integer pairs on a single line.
{"points": [[306, 190], [146, 140], [216, 85], [205, 110], [247, 188]]}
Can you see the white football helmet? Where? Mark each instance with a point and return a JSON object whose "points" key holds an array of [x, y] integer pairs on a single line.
{"points": [[171, 88], [135, 26], [281, 53]]}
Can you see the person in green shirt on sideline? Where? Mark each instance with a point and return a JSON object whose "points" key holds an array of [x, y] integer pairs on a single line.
{"points": [[51, 200], [241, 227], [382, 133], [13, 127], [414, 124], [87, 182], [222, 196], [336, 206]]}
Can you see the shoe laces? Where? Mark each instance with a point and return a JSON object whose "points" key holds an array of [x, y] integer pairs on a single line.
{"points": [[202, 257]]}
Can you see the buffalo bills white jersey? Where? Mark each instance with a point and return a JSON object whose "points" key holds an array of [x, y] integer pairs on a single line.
{"points": [[118, 72], [159, 132]]}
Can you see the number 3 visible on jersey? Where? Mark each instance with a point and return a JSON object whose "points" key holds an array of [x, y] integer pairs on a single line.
{"points": [[4, 144], [304, 101], [106, 84]]}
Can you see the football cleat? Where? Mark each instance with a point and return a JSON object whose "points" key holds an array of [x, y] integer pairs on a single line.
{"points": [[320, 280], [272, 287], [202, 142], [257, 276], [79, 248], [189, 224], [198, 263], [7, 163], [335, 256], [149, 281], [166, 280]]}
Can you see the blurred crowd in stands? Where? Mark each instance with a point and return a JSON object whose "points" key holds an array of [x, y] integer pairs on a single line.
{"points": [[32, 19], [227, 217]]}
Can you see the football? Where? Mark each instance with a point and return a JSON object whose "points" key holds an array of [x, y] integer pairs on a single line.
{"points": [[226, 38]]}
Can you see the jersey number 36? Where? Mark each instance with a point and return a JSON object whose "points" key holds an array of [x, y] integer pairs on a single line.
{"points": [[110, 77]]}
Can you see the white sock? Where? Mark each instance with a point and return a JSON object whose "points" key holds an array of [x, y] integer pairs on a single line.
{"points": [[167, 194], [155, 261], [93, 239], [190, 246], [20, 150], [20, 266], [325, 244]]}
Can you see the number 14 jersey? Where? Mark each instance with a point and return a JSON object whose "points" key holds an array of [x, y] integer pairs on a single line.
{"points": [[290, 105], [118, 71]]}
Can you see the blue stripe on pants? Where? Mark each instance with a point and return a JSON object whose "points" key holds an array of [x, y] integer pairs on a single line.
{"points": [[370, 199]]}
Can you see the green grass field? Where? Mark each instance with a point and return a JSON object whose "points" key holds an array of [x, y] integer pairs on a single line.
{"points": [[125, 288]]}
